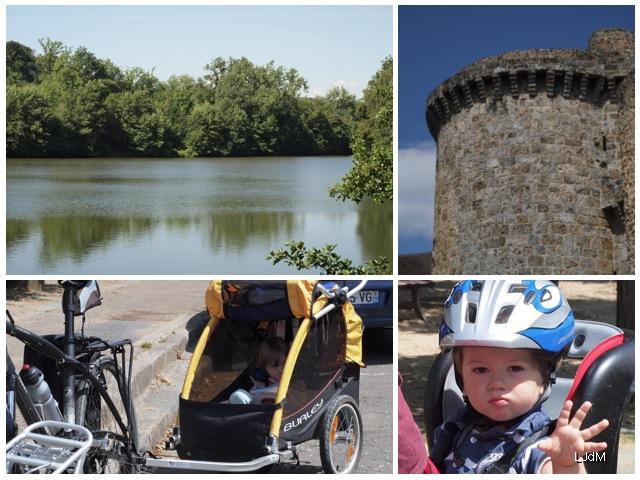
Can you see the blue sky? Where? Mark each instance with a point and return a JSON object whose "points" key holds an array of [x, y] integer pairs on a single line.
{"points": [[435, 42], [328, 45]]}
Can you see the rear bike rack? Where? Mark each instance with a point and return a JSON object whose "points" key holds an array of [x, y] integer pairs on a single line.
{"points": [[38, 453]]}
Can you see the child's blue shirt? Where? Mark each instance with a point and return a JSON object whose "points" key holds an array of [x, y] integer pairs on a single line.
{"points": [[486, 442]]}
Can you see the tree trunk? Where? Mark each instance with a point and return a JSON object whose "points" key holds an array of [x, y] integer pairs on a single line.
{"points": [[625, 311]]}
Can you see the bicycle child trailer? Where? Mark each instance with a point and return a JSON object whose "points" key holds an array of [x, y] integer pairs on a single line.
{"points": [[226, 423]]}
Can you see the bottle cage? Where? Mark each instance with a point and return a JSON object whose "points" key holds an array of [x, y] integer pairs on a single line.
{"points": [[605, 377]]}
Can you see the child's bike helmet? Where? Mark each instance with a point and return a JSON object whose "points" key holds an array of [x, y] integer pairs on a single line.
{"points": [[529, 314]]}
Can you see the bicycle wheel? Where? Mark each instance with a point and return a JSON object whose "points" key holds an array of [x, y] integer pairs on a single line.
{"points": [[115, 454], [341, 439]]}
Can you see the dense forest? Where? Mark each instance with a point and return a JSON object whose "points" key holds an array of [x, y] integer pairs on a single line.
{"points": [[65, 102]]}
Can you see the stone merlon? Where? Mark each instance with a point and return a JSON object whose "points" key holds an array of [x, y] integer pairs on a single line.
{"points": [[590, 75]]}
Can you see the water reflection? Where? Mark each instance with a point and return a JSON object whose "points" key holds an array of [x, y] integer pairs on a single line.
{"points": [[373, 229], [17, 232], [74, 238], [241, 231], [177, 217]]}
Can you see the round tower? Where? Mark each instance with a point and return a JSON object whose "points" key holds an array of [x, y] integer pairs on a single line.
{"points": [[528, 176]]}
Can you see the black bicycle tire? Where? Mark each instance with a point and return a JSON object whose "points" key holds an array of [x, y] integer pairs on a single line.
{"points": [[92, 408], [327, 420]]}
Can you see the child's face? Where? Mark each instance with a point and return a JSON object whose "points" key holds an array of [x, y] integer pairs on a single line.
{"points": [[501, 383], [275, 369]]}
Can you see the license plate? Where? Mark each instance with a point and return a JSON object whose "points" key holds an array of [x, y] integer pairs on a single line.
{"points": [[364, 297]]}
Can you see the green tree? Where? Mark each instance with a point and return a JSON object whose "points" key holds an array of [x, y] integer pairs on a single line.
{"points": [[329, 121], [145, 130], [92, 128], [51, 51], [372, 144], [318, 126], [78, 88], [209, 132], [257, 104], [21, 63], [175, 102], [341, 112], [81, 67], [30, 122]]}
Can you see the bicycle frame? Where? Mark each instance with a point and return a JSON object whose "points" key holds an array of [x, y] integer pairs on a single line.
{"points": [[68, 378], [70, 365], [16, 392]]}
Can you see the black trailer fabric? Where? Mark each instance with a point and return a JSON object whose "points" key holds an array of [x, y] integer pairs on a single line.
{"points": [[316, 376], [255, 301], [220, 432]]}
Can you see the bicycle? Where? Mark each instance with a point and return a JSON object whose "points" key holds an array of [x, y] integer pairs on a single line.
{"points": [[89, 376]]}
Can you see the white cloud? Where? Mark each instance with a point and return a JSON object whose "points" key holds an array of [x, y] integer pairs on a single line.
{"points": [[351, 86], [417, 171]]}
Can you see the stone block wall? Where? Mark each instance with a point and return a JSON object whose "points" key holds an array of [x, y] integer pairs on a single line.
{"points": [[626, 133]]}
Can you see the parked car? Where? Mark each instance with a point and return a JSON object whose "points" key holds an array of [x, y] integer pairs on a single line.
{"points": [[374, 303]]}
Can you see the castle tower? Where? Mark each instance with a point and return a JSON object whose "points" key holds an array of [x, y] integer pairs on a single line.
{"points": [[533, 151]]}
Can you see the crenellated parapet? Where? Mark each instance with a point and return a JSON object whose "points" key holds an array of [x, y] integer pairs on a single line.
{"points": [[567, 74]]}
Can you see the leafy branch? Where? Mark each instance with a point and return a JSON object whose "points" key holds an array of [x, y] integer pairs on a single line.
{"points": [[296, 254]]}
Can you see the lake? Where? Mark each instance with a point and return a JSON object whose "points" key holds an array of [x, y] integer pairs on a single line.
{"points": [[209, 216]]}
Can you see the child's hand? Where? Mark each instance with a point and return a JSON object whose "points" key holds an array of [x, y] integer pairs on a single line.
{"points": [[568, 442]]}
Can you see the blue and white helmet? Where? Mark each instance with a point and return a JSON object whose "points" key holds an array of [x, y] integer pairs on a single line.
{"points": [[507, 314]]}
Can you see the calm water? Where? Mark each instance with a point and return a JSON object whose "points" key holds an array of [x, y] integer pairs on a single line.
{"points": [[177, 216]]}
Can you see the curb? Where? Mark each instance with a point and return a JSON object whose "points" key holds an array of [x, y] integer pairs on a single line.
{"points": [[165, 350]]}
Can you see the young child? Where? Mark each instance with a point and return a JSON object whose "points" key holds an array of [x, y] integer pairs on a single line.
{"points": [[508, 339], [272, 353]]}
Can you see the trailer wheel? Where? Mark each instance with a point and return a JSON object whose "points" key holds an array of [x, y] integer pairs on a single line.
{"points": [[341, 438]]}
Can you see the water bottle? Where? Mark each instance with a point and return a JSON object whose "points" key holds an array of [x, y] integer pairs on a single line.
{"points": [[40, 393]]}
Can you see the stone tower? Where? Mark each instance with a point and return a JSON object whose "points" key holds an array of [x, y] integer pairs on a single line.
{"points": [[535, 167]]}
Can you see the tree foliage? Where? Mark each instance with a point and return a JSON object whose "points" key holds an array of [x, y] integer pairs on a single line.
{"points": [[66, 102], [372, 143], [326, 260], [30, 121], [21, 64]]}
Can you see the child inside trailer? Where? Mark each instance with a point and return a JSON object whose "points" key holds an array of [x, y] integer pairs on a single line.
{"points": [[508, 340], [272, 354]]}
